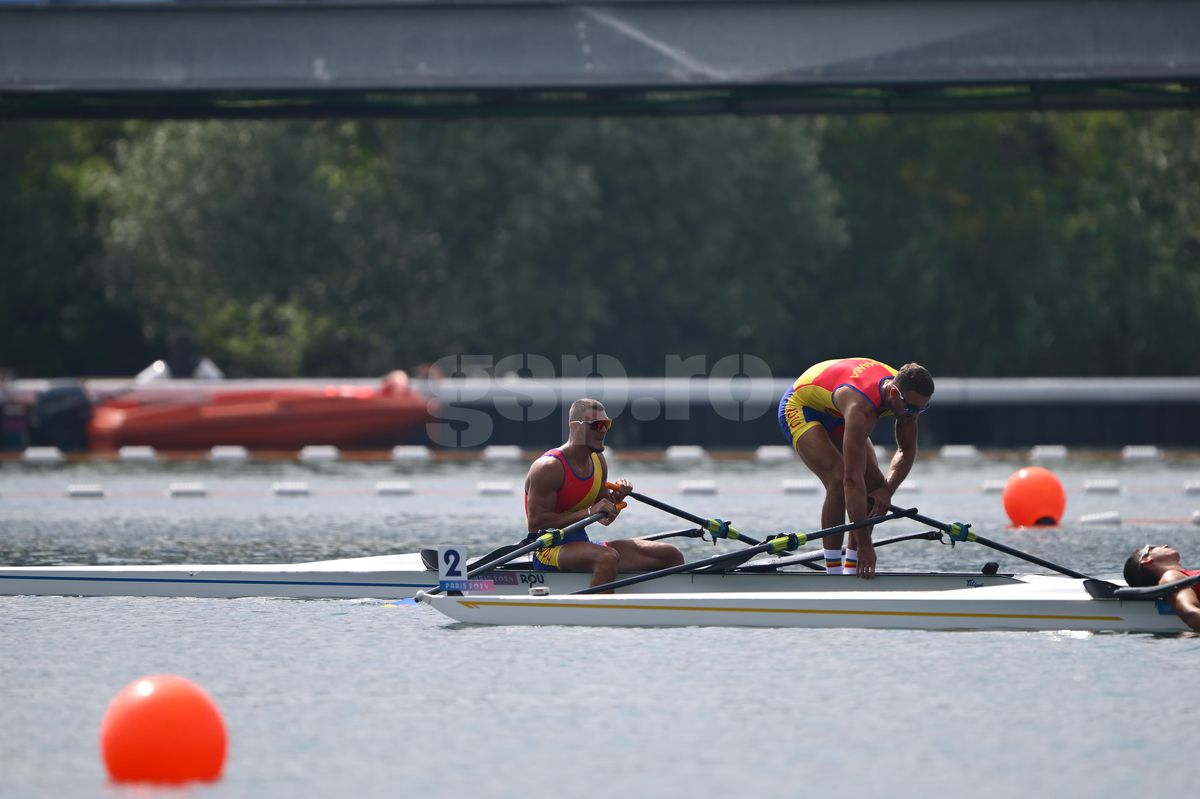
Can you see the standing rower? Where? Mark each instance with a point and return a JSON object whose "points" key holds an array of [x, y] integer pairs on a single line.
{"points": [[827, 416]]}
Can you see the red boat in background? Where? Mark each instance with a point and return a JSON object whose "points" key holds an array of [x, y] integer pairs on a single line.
{"points": [[201, 414]]}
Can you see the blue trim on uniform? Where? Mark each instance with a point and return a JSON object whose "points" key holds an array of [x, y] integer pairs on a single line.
{"points": [[859, 390], [783, 425]]}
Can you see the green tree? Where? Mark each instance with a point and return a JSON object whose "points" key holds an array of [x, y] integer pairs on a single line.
{"points": [[55, 317], [356, 247]]}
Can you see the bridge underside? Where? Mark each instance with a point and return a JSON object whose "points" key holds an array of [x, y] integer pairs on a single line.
{"points": [[622, 57]]}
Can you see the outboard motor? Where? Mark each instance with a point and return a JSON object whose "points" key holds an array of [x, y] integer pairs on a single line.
{"points": [[60, 418], [14, 420]]}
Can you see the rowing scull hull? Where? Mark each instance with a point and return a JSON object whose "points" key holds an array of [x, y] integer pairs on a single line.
{"points": [[402, 576], [1023, 602]]}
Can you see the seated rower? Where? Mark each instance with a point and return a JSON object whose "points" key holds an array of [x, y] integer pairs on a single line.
{"points": [[1156, 564], [566, 484]]}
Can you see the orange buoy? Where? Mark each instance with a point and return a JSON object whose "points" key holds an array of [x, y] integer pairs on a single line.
{"points": [[1034, 496], [164, 729]]}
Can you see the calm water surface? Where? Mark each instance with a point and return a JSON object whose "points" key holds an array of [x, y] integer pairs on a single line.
{"points": [[367, 698]]}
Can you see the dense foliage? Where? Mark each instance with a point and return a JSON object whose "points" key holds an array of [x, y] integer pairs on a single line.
{"points": [[981, 245]]}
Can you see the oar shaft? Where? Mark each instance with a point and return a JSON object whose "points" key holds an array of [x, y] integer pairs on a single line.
{"points": [[987, 542], [654, 503], [707, 524], [808, 558]]}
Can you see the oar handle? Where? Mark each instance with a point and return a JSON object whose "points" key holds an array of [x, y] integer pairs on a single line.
{"points": [[962, 532]]}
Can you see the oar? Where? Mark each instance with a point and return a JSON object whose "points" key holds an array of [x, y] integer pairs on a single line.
{"points": [[784, 543], [962, 532], [809, 558], [717, 527], [549, 538], [1102, 589]]}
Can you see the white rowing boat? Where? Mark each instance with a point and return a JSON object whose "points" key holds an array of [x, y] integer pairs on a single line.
{"points": [[890, 601], [380, 577]]}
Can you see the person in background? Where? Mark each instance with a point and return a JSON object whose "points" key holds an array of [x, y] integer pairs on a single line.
{"points": [[827, 416], [1157, 564], [182, 363], [567, 484]]}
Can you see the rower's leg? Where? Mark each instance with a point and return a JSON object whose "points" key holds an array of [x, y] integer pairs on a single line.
{"points": [[639, 555], [584, 556], [823, 458]]}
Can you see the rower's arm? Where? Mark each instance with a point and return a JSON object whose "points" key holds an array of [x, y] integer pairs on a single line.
{"points": [[541, 486], [855, 440], [906, 451], [1185, 601]]}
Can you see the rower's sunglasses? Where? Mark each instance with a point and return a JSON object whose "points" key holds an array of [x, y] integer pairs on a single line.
{"points": [[910, 409], [1145, 553], [595, 424]]}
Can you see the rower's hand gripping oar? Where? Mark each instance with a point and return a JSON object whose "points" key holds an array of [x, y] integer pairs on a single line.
{"points": [[717, 528], [786, 542], [547, 538]]}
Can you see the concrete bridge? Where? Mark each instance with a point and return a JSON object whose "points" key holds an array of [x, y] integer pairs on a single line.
{"points": [[502, 57]]}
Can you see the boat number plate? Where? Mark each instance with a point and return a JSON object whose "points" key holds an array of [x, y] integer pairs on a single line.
{"points": [[452, 571]]}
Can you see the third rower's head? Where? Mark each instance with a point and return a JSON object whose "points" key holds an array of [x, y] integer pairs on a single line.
{"points": [[910, 391], [589, 424], [1146, 565]]}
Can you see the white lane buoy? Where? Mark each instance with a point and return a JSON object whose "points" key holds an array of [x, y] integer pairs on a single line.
{"points": [[406, 452], [393, 488], [960, 452], [1141, 453], [993, 486], [1102, 486], [320, 453], [801, 486], [85, 491], [698, 486], [1107, 517], [502, 453], [228, 454], [494, 488], [290, 489], [137, 454], [42, 455], [685, 452], [187, 490], [1048, 452], [771, 453]]}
